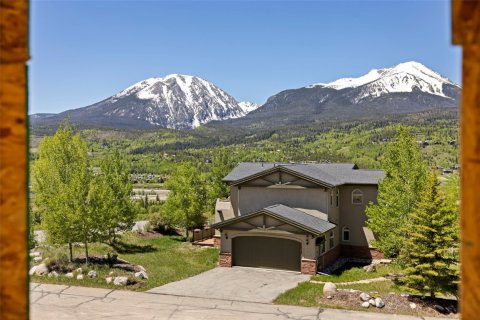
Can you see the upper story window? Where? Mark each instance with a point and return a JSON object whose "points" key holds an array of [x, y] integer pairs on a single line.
{"points": [[332, 240], [357, 197], [345, 234]]}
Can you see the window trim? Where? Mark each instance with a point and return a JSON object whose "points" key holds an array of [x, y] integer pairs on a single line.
{"points": [[357, 192], [345, 229], [332, 240]]}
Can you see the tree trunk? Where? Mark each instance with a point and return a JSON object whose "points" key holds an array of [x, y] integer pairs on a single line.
{"points": [[70, 253], [86, 252], [432, 294], [186, 232]]}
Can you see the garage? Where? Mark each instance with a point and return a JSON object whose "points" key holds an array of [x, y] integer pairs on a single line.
{"points": [[266, 252]]}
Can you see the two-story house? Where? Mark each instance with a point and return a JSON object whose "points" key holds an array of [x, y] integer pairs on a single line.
{"points": [[298, 217]]}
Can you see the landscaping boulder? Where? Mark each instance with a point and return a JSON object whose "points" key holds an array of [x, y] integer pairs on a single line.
{"points": [[79, 271], [80, 277], [53, 274], [366, 304], [108, 279], [69, 275], [32, 270], [413, 305], [92, 274], [370, 268], [440, 309], [120, 281], [364, 296], [37, 259], [35, 254], [141, 275], [379, 303], [329, 289], [41, 270], [372, 302]]}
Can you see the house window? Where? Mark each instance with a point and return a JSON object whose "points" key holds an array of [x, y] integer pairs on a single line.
{"points": [[345, 234], [320, 245], [338, 197], [357, 197], [332, 240]]}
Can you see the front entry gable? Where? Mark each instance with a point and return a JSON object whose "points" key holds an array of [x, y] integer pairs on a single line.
{"points": [[278, 217]]}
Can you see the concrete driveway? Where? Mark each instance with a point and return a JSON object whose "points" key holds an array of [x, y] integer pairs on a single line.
{"points": [[237, 284]]}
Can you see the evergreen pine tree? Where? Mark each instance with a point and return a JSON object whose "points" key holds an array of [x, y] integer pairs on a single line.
{"points": [[430, 250]]}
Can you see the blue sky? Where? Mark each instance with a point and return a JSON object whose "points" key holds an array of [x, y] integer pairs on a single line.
{"points": [[85, 51]]}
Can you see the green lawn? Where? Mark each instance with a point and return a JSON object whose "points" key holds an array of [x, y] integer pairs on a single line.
{"points": [[165, 258], [357, 273]]}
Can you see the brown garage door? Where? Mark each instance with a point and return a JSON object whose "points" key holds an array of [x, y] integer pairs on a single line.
{"points": [[266, 252]]}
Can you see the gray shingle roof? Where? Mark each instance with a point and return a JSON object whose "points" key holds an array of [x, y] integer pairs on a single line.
{"points": [[333, 174], [301, 218], [292, 216]]}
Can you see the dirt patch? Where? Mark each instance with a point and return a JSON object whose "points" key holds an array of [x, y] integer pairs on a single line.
{"points": [[394, 303]]}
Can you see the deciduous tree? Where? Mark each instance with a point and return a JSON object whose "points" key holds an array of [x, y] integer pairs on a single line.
{"points": [[398, 192]]}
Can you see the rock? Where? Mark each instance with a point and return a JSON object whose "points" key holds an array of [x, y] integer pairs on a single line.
{"points": [[440, 309], [92, 274], [329, 289], [370, 268], [405, 295], [111, 273], [79, 271], [69, 275], [364, 296], [451, 309], [379, 303], [366, 304], [385, 261], [32, 270], [373, 292], [80, 277], [329, 297], [413, 305], [108, 279], [372, 301], [41, 270], [141, 268], [120, 281], [35, 254], [37, 259], [53, 274], [141, 275]]}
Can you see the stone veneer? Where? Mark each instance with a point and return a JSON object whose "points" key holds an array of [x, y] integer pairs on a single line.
{"points": [[308, 266], [216, 241], [225, 259]]}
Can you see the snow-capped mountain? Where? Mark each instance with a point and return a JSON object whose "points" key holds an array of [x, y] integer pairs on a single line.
{"points": [[175, 101], [405, 88], [248, 107], [404, 77]]}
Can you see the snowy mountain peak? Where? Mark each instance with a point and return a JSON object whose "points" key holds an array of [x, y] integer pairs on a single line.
{"points": [[248, 107], [176, 101], [404, 77]]}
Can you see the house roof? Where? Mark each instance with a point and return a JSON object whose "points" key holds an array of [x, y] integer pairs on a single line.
{"points": [[295, 217], [327, 174]]}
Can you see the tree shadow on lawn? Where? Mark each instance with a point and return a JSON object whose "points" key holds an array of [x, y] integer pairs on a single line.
{"points": [[122, 247]]}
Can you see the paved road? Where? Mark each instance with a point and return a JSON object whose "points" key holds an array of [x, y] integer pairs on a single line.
{"points": [[68, 302], [237, 283]]}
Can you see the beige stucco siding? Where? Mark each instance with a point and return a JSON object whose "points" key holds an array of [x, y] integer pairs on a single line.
{"points": [[353, 215], [252, 199]]}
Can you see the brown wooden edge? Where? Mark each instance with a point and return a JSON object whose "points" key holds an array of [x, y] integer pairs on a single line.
{"points": [[466, 32], [13, 159]]}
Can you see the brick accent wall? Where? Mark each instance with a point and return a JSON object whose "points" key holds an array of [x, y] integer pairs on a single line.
{"points": [[308, 266], [225, 259], [361, 252], [376, 254], [216, 241], [329, 257]]}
